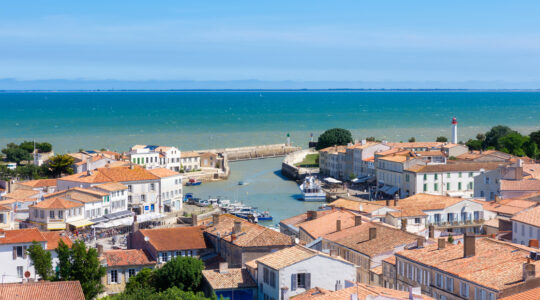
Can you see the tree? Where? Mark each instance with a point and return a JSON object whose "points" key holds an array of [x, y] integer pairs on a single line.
{"points": [[481, 137], [370, 139], [183, 272], [335, 136], [41, 259], [512, 143], [144, 280], [44, 147], [82, 264], [60, 164], [531, 149], [16, 154], [412, 140], [27, 146], [535, 137], [441, 139], [450, 239], [474, 144], [493, 136]]}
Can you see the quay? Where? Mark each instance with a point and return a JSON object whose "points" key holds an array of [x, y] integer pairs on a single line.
{"points": [[255, 152]]}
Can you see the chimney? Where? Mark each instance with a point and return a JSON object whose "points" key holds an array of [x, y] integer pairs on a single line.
{"points": [[396, 199], [497, 199], [357, 220], [233, 237], [404, 224], [237, 227], [215, 219], [469, 245], [89, 172], [99, 249], [194, 220], [387, 202], [131, 166], [223, 267], [519, 172], [311, 215], [431, 233], [338, 225], [529, 270], [441, 243], [372, 233], [420, 243], [533, 243]]}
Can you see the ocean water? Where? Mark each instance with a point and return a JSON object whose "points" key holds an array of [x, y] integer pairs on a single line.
{"points": [[202, 120], [266, 189]]}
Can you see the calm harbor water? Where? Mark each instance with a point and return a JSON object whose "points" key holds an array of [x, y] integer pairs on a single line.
{"points": [[266, 189]]}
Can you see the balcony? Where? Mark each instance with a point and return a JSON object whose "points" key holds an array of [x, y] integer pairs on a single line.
{"points": [[457, 223]]}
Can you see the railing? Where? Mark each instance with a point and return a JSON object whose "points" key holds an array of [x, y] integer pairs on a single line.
{"points": [[457, 223]]}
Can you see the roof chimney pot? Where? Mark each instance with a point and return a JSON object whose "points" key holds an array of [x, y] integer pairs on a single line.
{"points": [[372, 233], [357, 220], [469, 244], [441, 243]]}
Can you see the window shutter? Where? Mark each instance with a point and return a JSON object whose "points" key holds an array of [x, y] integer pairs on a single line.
{"points": [[308, 281], [294, 282], [24, 252], [109, 277], [14, 253]]}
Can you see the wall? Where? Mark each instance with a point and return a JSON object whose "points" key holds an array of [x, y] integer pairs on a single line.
{"points": [[522, 233]]}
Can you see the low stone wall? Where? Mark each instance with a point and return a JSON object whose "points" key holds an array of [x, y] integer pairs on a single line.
{"points": [[288, 168], [255, 152]]}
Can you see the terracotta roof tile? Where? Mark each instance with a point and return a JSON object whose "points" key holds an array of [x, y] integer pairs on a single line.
{"points": [[19, 194], [189, 154], [454, 167], [39, 183], [177, 238], [311, 293], [417, 145], [231, 279], [111, 186], [54, 237], [21, 236], [327, 223], [390, 260], [362, 292], [251, 235], [301, 218], [57, 202], [532, 294], [506, 206], [530, 216], [163, 172], [290, 256], [360, 206], [130, 257], [520, 185], [118, 174], [57, 290]]}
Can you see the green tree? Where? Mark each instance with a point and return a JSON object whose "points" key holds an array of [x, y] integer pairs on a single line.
{"points": [[474, 144], [60, 164], [493, 136], [450, 239], [513, 143], [42, 260], [335, 136], [531, 149], [144, 280], [535, 137], [412, 140], [481, 137], [83, 265], [44, 147], [370, 139], [183, 272], [16, 154], [442, 139], [27, 146]]}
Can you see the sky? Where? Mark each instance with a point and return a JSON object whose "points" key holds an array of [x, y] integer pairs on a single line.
{"points": [[304, 41]]}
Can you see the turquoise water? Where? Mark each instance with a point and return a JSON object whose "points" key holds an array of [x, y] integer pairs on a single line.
{"points": [[201, 120], [266, 189]]}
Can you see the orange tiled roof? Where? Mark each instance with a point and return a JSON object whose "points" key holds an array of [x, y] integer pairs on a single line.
{"points": [[301, 218], [530, 216], [390, 260], [118, 174], [111, 186], [57, 202], [520, 185], [231, 279], [5, 207], [163, 172], [177, 238], [78, 194], [290, 256], [497, 265], [39, 183], [20, 194], [311, 293], [43, 290], [327, 223], [53, 239], [251, 235], [360, 206], [417, 145], [407, 212], [189, 154], [387, 238], [531, 294], [506, 206], [21, 236], [130, 257], [454, 167], [362, 292]]}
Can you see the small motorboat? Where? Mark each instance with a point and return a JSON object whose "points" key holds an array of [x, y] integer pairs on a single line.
{"points": [[243, 183], [193, 182], [265, 216]]}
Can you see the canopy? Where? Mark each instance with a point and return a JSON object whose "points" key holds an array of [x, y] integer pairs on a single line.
{"points": [[390, 190], [115, 223], [119, 214], [360, 179], [56, 226], [99, 220], [148, 217], [81, 223], [331, 180]]}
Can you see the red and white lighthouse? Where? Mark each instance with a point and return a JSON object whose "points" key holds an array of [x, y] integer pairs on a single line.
{"points": [[454, 130]]}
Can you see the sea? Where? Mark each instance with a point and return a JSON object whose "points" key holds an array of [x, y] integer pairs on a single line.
{"points": [[195, 120]]}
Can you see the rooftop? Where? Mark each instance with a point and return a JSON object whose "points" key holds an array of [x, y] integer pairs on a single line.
{"points": [[130, 257], [189, 154], [53, 239], [506, 206], [497, 265], [18, 236], [250, 235], [111, 186], [362, 292], [327, 223], [56, 202], [176, 238], [425, 202], [520, 185], [301, 218], [163, 172], [118, 174], [20, 194], [454, 167], [39, 183], [531, 294], [43, 290], [417, 145], [289, 256], [360, 206], [230, 279], [386, 240], [529, 216]]}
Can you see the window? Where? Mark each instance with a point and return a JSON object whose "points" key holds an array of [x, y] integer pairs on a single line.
{"points": [[20, 272], [164, 257], [481, 193], [142, 198], [60, 214], [448, 186], [470, 185], [51, 214], [407, 177], [416, 220], [522, 229], [425, 176], [301, 280], [439, 280], [129, 198], [464, 289], [36, 213], [450, 284], [114, 276], [20, 252], [459, 186], [436, 187], [459, 174], [425, 187], [41, 214], [131, 272], [152, 187], [130, 189], [436, 176], [470, 174], [530, 231], [447, 175]]}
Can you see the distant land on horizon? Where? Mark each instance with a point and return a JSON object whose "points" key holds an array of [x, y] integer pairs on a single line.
{"points": [[77, 85]]}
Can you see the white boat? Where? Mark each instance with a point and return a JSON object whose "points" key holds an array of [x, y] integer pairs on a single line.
{"points": [[311, 190]]}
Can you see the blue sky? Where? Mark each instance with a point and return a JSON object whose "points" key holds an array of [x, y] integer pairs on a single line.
{"points": [[445, 41]]}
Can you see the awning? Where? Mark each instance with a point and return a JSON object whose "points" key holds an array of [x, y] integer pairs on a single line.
{"points": [[81, 223], [331, 180], [115, 223], [99, 220], [119, 214], [148, 217], [360, 179], [56, 226], [455, 194], [390, 190]]}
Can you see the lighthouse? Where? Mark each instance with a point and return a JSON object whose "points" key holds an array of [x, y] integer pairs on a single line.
{"points": [[454, 130]]}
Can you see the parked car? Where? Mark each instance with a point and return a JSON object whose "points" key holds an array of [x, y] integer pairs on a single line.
{"points": [[202, 203]]}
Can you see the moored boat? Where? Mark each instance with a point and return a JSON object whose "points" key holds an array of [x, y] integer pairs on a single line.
{"points": [[311, 190]]}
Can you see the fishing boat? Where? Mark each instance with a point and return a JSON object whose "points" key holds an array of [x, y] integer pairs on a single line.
{"points": [[193, 182], [311, 190], [265, 216]]}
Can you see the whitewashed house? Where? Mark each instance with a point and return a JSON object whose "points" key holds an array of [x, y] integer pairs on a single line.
{"points": [[526, 226], [151, 157], [190, 161], [118, 196], [170, 189], [55, 213], [292, 271], [15, 260]]}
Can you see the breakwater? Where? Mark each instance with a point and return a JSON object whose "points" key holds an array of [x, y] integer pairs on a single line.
{"points": [[254, 152]]}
